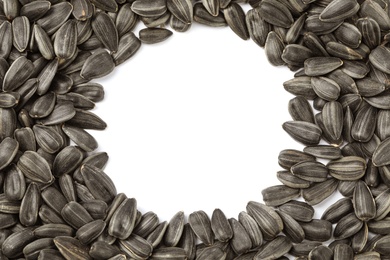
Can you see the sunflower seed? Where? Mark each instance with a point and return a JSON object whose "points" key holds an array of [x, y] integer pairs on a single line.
{"points": [[373, 10], [235, 18], [274, 47], [13, 246], [55, 17], [21, 33], [363, 202], [317, 230], [355, 69], [310, 171], [28, 214], [347, 168], [53, 230], [48, 216], [291, 228], [339, 10], [300, 86], [71, 248], [304, 248], [201, 225], [321, 252], [342, 51], [338, 210], [149, 9], [35, 167], [371, 33], [298, 210], [274, 249], [124, 216], [300, 109], [382, 202], [364, 124], [126, 19], [136, 247], [97, 65], [258, 28], [66, 40], [18, 73], [315, 25], [304, 132], [348, 34], [182, 10], [32, 250], [359, 240], [11, 9], [104, 28], [379, 58], [154, 35], [278, 195], [318, 66], [82, 10], [251, 228], [325, 88], [48, 138], [268, 220], [347, 226], [318, 192], [368, 256], [220, 226], [275, 13], [295, 54]]}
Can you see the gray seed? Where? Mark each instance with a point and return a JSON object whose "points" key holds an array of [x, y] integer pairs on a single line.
{"points": [[309, 171], [291, 228], [212, 6], [96, 208], [295, 30], [364, 125], [32, 250], [178, 25], [304, 132], [268, 220], [53, 230], [43, 42], [71, 248], [14, 183], [332, 119], [175, 253], [90, 231], [382, 202], [8, 149], [82, 10], [26, 139], [99, 64], [35, 10], [128, 46], [75, 215], [317, 230], [258, 28], [46, 77], [92, 91], [21, 32], [347, 226], [380, 101], [13, 246], [149, 221], [28, 214], [7, 38], [202, 16], [349, 35], [117, 201], [149, 9], [274, 249], [241, 242], [298, 210], [136, 247], [55, 17], [251, 228], [338, 210], [368, 87], [35, 167], [318, 192], [154, 35], [81, 137], [355, 69], [324, 151], [363, 202], [48, 138], [315, 25], [318, 66], [152, 22], [343, 251], [373, 10], [300, 109], [54, 199], [67, 160], [187, 240], [220, 226], [382, 245], [75, 64], [11, 9], [106, 5], [201, 225], [382, 123], [295, 54], [235, 18], [122, 222], [66, 40], [274, 47], [348, 168], [182, 10], [212, 253], [314, 43], [321, 253], [371, 32], [379, 58], [304, 248], [83, 193], [368, 256], [8, 206], [325, 88], [61, 113], [359, 240], [344, 52], [275, 13], [126, 19], [79, 101], [104, 28], [48, 216], [279, 194], [18, 73], [102, 250], [300, 86]]}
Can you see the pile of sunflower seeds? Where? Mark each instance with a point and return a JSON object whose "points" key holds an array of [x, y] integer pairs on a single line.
{"points": [[56, 201]]}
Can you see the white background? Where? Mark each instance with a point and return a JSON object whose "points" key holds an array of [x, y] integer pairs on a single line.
{"points": [[195, 123]]}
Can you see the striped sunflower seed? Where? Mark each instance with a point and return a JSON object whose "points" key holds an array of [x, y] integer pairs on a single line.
{"points": [[48, 138], [359, 240], [14, 183], [201, 225], [326, 88], [99, 184], [96, 208], [21, 32], [304, 132], [35, 167], [71, 248], [319, 66], [363, 202], [373, 10], [235, 18], [54, 199], [276, 13], [81, 137], [274, 47], [105, 29], [298, 210], [82, 10], [55, 17], [202, 16], [291, 228], [75, 215], [318, 192], [18, 73], [33, 249], [53, 230], [343, 251], [300, 109], [28, 214], [128, 46], [310, 171], [149, 9], [251, 228], [65, 42], [339, 10], [349, 35], [220, 226], [13, 246], [182, 10], [136, 247], [290, 180], [317, 230], [274, 249], [124, 216], [382, 202], [371, 32], [279, 194], [106, 5], [154, 35], [347, 226], [240, 242], [300, 86], [126, 19], [321, 252], [338, 210], [90, 231], [99, 64], [348, 168]]}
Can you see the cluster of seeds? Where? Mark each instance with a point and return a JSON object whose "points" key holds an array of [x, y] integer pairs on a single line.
{"points": [[56, 202]]}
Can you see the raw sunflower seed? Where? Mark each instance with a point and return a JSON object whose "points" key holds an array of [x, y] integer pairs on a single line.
{"points": [[276, 13], [13, 246], [46, 77], [342, 51], [348, 168], [149, 9], [235, 18], [71, 248], [348, 34], [269, 221], [201, 225], [310, 171], [124, 216], [279, 194], [187, 240], [359, 240], [202, 16], [105, 29], [295, 55], [8, 148], [382, 202], [304, 248], [364, 124], [14, 184], [106, 5], [258, 28], [379, 58], [43, 42], [338, 210], [65, 42], [300, 86], [371, 32], [54, 199], [291, 228], [298, 210], [339, 10], [318, 66], [99, 64], [18, 73], [347, 226], [290, 180], [317, 230], [300, 109], [326, 88], [55, 17], [154, 35], [321, 252], [355, 69], [343, 251], [304, 132], [274, 249], [21, 32], [102, 250], [251, 228], [240, 242], [274, 47], [67, 160], [136, 247], [126, 20], [28, 214], [6, 36], [373, 10], [182, 10], [324, 151], [99, 184], [35, 167], [220, 226], [363, 202], [82, 10], [75, 215], [90, 231], [318, 192], [61, 113], [48, 138]]}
